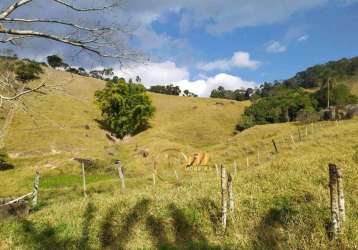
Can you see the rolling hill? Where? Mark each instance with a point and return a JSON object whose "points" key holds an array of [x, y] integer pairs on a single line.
{"points": [[281, 198]]}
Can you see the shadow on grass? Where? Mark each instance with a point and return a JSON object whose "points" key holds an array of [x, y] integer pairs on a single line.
{"points": [[213, 211], [186, 234], [114, 237], [87, 220], [272, 231], [47, 238], [103, 125]]}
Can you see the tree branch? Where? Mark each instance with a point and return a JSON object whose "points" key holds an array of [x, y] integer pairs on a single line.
{"points": [[84, 9], [59, 22], [13, 7], [17, 96], [75, 43]]}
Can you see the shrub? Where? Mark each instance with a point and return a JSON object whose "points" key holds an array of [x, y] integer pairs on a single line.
{"points": [[55, 61], [167, 89], [126, 107], [27, 71], [4, 165]]}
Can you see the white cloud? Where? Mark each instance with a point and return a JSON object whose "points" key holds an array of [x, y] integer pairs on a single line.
{"points": [[240, 59], [169, 73], [203, 88], [275, 47], [302, 38], [155, 73]]}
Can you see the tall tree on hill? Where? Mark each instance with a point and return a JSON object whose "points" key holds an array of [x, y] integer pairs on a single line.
{"points": [[83, 27]]}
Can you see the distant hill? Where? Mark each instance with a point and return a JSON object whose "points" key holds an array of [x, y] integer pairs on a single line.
{"points": [[344, 70]]}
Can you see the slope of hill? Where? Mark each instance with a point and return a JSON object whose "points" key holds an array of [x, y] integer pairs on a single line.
{"points": [[281, 198]]}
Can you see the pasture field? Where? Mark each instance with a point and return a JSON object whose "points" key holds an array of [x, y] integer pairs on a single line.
{"points": [[282, 199]]}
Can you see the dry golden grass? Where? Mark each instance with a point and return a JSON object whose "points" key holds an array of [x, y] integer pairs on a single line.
{"points": [[281, 200]]}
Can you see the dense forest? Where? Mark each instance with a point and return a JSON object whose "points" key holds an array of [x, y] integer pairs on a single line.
{"points": [[292, 99]]}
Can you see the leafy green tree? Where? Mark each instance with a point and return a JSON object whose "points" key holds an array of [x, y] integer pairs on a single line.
{"points": [[27, 71], [55, 61], [339, 95], [126, 108]]}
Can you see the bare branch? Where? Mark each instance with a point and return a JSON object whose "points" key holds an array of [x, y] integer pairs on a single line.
{"points": [[75, 43], [84, 9], [17, 96], [13, 7], [59, 22]]}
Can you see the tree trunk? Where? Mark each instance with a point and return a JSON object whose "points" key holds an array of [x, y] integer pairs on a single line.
{"points": [[121, 175]]}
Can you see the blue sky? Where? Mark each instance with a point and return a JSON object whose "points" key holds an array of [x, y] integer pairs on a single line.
{"points": [[273, 46], [202, 44]]}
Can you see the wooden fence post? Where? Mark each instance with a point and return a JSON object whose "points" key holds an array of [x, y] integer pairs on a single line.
{"points": [[333, 199], [247, 161], [306, 130], [223, 197], [341, 205], [274, 144], [120, 174], [154, 174], [36, 189], [217, 170], [230, 193], [84, 179], [312, 128], [299, 133]]}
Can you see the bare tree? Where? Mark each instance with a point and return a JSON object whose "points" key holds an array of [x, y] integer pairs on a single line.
{"points": [[86, 26]]}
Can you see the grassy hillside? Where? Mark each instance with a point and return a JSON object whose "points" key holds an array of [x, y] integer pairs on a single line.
{"points": [[281, 199]]}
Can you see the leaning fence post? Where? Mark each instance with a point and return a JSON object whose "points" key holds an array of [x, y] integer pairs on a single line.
{"points": [[292, 139], [230, 193], [223, 197], [274, 144], [120, 173], [84, 179], [36, 189], [333, 199]]}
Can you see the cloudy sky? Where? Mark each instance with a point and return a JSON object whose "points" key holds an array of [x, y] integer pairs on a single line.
{"points": [[201, 44]]}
